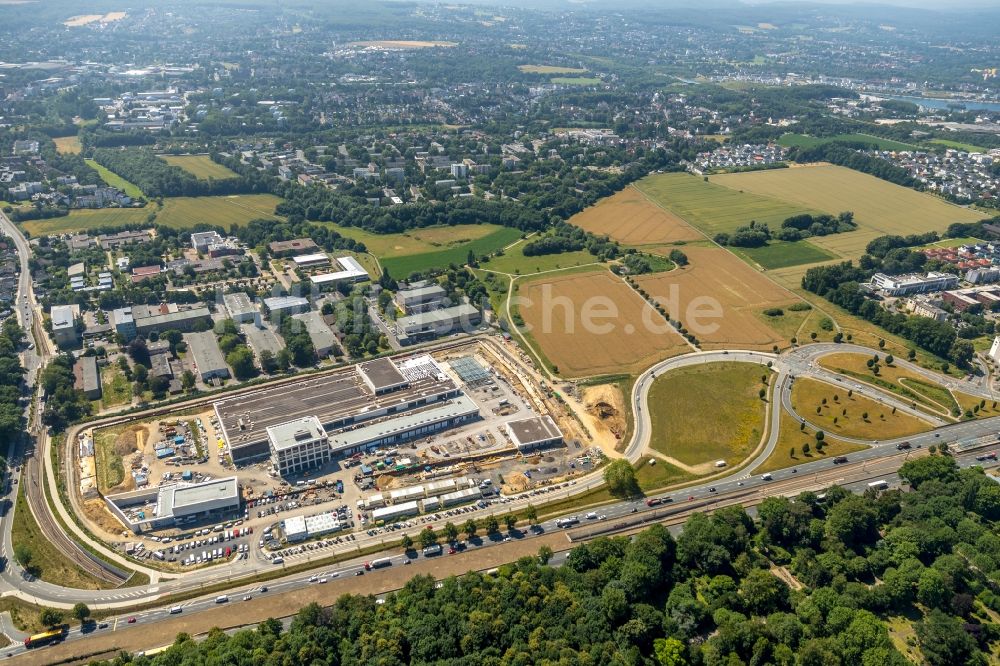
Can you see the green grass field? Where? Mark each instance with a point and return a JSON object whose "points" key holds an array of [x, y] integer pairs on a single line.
{"points": [[457, 254], [116, 390], [781, 254], [804, 141], [414, 241], [713, 208], [199, 166], [575, 80], [47, 562], [788, 452], [185, 212], [114, 180], [709, 412], [513, 261], [832, 410], [83, 219], [177, 212], [958, 145]]}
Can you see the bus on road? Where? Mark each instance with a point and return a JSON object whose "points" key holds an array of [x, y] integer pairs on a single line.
{"points": [[44, 638]]}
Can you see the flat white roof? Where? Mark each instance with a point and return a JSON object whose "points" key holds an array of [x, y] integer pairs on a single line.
{"points": [[351, 271], [281, 302], [62, 316], [292, 433], [311, 258], [395, 510]]}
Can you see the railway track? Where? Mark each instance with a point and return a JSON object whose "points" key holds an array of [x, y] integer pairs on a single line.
{"points": [[54, 532]]}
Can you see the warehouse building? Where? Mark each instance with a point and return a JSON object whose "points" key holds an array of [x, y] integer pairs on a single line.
{"points": [[534, 433], [429, 325], [311, 260], [395, 511], [350, 271], [397, 429], [208, 360], [298, 445], [342, 399], [463, 496], [913, 283], [146, 319], [176, 503], [88, 379], [64, 325], [240, 308], [323, 339], [300, 528], [421, 298], [382, 376], [286, 305]]}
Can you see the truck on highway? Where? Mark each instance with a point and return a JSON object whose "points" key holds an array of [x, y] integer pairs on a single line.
{"points": [[430, 551], [44, 638], [379, 563], [567, 522]]}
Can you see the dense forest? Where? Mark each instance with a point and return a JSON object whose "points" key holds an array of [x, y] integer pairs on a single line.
{"points": [[818, 580], [156, 178], [569, 238], [11, 374]]}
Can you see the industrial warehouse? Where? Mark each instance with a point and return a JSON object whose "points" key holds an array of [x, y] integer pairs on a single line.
{"points": [[165, 506], [364, 445], [398, 400]]}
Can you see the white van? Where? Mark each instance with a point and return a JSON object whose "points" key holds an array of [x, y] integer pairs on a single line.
{"points": [[221, 599], [720, 463], [174, 610], [766, 477]]}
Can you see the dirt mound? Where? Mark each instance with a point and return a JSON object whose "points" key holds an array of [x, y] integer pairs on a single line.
{"points": [[130, 441], [98, 514], [515, 483], [603, 410], [388, 482]]}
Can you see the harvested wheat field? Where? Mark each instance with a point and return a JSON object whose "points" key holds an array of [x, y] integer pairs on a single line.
{"points": [[624, 334], [880, 207], [630, 218], [717, 281]]}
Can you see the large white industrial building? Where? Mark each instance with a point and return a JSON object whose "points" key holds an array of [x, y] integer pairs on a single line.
{"points": [[164, 506]]}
